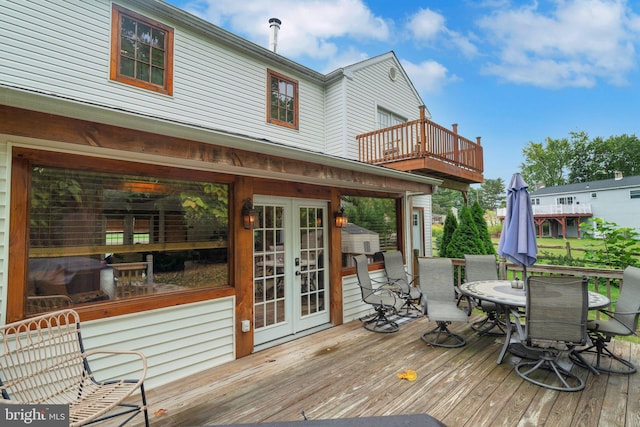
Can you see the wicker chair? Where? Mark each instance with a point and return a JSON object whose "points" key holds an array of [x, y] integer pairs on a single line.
{"points": [[621, 322], [556, 322], [43, 361], [382, 299], [439, 302], [399, 278], [483, 267]]}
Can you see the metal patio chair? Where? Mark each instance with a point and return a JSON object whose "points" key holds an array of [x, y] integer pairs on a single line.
{"points": [[399, 278], [439, 302], [484, 267], [43, 361], [556, 322], [382, 299], [623, 321]]}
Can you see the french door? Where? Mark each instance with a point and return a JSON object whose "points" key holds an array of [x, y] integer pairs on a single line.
{"points": [[290, 276]]}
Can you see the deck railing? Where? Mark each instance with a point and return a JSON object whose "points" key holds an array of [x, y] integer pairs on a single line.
{"points": [[555, 210], [601, 280], [420, 138]]}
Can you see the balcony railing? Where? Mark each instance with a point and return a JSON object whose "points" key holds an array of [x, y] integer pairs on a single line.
{"points": [[581, 209], [421, 139]]}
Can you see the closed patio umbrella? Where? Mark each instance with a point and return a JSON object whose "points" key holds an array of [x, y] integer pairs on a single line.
{"points": [[518, 237]]}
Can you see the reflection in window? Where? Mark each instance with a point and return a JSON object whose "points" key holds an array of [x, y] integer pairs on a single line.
{"points": [[283, 100], [372, 227], [101, 236], [141, 51]]}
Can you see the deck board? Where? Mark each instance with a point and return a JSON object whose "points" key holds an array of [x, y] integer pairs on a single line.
{"points": [[346, 371]]}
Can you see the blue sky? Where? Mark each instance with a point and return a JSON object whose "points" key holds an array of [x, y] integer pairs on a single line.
{"points": [[511, 72]]}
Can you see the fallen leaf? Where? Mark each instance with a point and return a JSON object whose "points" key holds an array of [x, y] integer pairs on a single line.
{"points": [[409, 375], [160, 412]]}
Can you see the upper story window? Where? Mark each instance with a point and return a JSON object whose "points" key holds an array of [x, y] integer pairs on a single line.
{"points": [[392, 139], [634, 194], [535, 200], [282, 100], [387, 119], [565, 200], [141, 51]]}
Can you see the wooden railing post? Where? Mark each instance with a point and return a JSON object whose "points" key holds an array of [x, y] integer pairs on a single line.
{"points": [[456, 143], [423, 130]]}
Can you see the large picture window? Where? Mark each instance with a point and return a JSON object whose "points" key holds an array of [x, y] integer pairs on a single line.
{"points": [[372, 227], [101, 236], [141, 51]]}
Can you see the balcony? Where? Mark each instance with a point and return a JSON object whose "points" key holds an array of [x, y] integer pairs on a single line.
{"points": [[424, 147]]}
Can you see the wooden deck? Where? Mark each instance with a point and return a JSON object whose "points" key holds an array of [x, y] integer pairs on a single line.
{"points": [[346, 372]]}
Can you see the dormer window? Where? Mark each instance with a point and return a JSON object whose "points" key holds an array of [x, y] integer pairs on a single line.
{"points": [[282, 100], [141, 51]]}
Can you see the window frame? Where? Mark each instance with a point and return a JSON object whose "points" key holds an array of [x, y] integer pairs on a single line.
{"points": [[274, 74], [115, 75], [400, 226], [23, 159], [634, 194]]}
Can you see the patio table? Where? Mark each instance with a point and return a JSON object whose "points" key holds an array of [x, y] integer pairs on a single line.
{"points": [[511, 300]]}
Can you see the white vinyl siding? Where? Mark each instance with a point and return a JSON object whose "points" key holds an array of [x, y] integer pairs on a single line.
{"points": [[365, 97], [177, 341], [352, 305], [335, 135], [214, 86]]}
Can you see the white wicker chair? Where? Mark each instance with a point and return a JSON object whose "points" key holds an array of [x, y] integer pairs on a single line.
{"points": [[43, 361]]}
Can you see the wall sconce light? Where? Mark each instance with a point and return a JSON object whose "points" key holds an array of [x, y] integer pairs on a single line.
{"points": [[250, 217], [341, 218]]}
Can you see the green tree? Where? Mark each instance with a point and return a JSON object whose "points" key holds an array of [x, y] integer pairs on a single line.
{"points": [[444, 199], [450, 225], [477, 214], [465, 240], [492, 194], [547, 163], [619, 244]]}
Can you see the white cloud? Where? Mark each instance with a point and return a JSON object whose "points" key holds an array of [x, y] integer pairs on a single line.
{"points": [[310, 28], [576, 44], [428, 76], [429, 27]]}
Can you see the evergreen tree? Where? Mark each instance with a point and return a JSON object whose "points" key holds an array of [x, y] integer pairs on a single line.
{"points": [[450, 225], [483, 231], [465, 240]]}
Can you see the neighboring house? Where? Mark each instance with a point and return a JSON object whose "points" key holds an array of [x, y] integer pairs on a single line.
{"points": [[177, 184], [559, 210]]}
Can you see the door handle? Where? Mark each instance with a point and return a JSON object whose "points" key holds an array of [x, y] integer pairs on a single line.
{"points": [[298, 273]]}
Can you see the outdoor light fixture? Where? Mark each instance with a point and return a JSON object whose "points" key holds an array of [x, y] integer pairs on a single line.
{"points": [[341, 218], [250, 217]]}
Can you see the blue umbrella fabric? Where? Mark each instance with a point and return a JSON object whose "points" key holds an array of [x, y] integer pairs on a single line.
{"points": [[518, 237]]}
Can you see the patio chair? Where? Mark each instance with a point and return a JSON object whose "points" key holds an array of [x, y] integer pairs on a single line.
{"points": [[381, 298], [483, 267], [556, 322], [43, 361], [623, 321], [439, 302], [399, 278]]}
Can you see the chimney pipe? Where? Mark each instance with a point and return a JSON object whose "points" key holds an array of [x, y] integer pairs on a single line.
{"points": [[617, 175], [274, 26]]}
